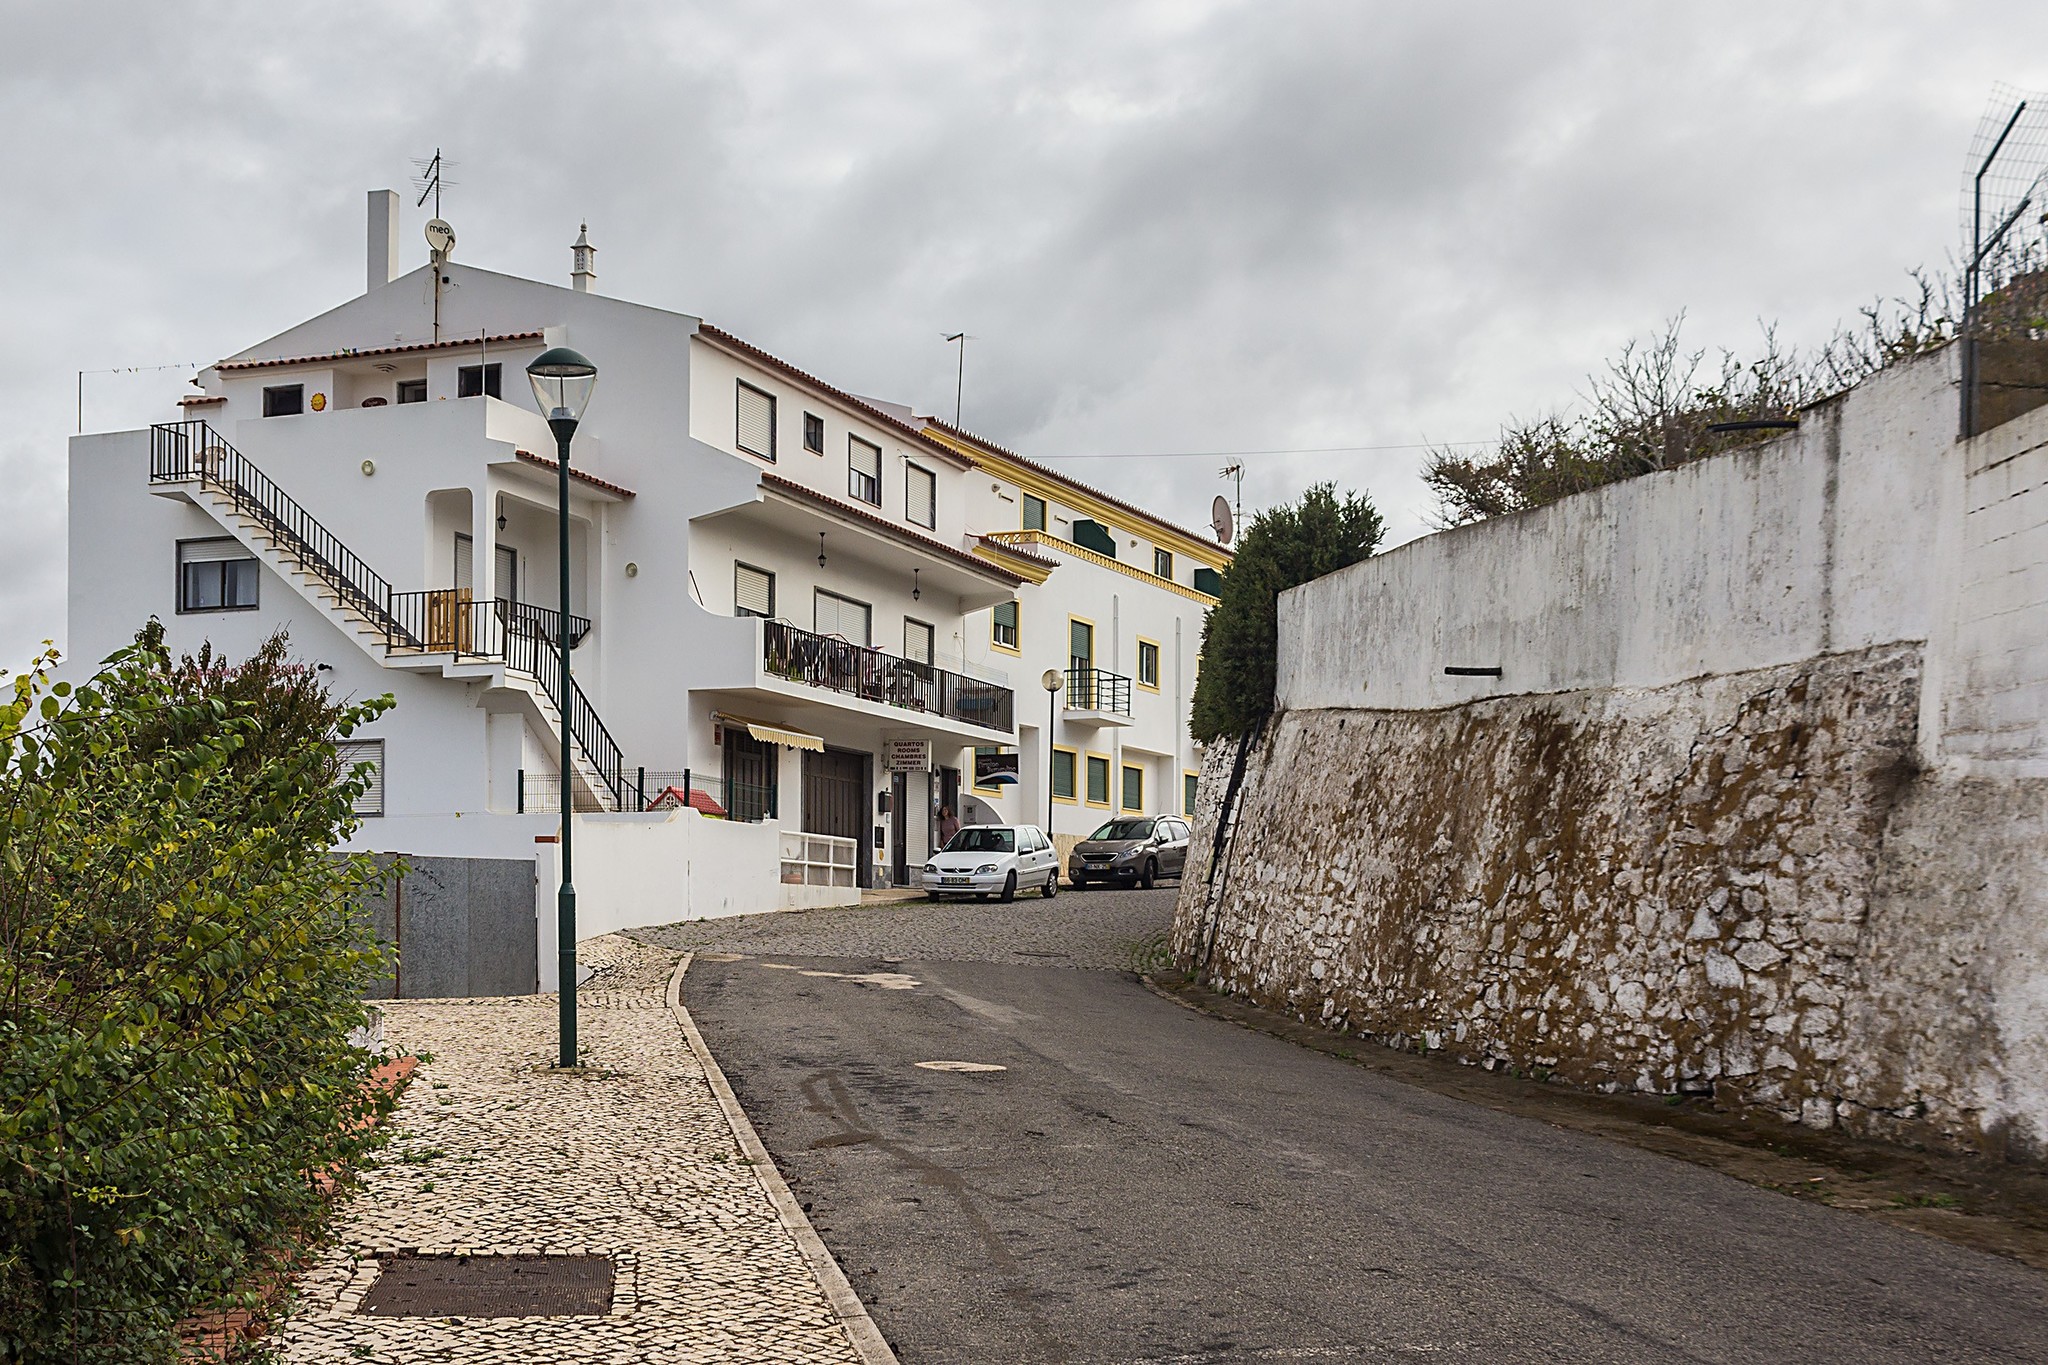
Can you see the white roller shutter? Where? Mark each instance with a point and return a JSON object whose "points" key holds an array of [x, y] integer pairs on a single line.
{"points": [[211, 551], [351, 752], [864, 470], [753, 591], [842, 616], [756, 433], [921, 496]]}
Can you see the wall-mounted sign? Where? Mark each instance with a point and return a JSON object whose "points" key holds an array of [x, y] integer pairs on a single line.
{"points": [[994, 769], [319, 402], [908, 755]]}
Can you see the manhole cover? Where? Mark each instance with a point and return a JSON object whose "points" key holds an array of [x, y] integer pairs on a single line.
{"points": [[490, 1287]]}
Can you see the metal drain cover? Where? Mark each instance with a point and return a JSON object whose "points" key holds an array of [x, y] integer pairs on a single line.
{"points": [[490, 1287]]}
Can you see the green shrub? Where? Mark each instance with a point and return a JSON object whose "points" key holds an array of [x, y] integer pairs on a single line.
{"points": [[180, 967], [1282, 548]]}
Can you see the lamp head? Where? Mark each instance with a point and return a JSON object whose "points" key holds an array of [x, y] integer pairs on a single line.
{"points": [[1053, 680], [562, 381]]}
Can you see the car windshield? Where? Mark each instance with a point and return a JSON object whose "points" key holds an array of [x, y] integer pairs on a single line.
{"points": [[1118, 830], [976, 839]]}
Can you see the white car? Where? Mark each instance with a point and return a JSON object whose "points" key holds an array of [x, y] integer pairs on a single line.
{"points": [[982, 860]]}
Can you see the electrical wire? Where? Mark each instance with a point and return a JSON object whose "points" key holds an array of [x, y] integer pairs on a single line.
{"points": [[1234, 454]]}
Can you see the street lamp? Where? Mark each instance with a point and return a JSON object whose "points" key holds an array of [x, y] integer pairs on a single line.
{"points": [[1052, 680], [562, 381]]}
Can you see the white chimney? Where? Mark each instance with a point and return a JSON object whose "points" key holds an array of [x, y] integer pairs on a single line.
{"points": [[383, 238], [585, 256]]}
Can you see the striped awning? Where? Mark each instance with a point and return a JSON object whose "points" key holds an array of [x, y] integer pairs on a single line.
{"points": [[772, 734]]}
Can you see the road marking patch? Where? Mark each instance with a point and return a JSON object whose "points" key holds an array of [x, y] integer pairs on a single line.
{"points": [[960, 1066]]}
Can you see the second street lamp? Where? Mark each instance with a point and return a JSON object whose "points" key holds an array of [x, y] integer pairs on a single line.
{"points": [[1052, 680], [562, 381]]}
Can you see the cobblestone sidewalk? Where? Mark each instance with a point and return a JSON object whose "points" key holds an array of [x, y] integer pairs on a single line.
{"points": [[492, 1153]]}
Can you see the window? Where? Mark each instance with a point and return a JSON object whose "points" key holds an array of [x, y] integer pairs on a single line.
{"points": [[1034, 513], [1002, 631], [917, 641], [1063, 774], [1093, 535], [1148, 665], [1188, 782], [1134, 788], [286, 400], [814, 433], [479, 381], [983, 839], [1080, 645], [1098, 780], [1123, 831], [412, 390], [1162, 563], [753, 591], [1209, 581], [864, 470], [920, 496], [347, 755], [832, 614], [754, 420], [215, 575]]}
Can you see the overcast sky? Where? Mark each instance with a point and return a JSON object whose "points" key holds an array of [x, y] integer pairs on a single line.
{"points": [[1178, 227]]}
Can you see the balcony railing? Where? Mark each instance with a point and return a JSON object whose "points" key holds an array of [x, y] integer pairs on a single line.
{"points": [[450, 621], [1095, 689], [839, 665]]}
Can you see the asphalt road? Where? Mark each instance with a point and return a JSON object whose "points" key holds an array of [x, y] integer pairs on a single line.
{"points": [[1144, 1183]]}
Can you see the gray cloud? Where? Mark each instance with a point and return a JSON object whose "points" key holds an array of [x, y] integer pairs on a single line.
{"points": [[1171, 227]]}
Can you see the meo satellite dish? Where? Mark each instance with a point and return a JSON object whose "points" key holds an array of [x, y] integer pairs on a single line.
{"points": [[440, 238], [1220, 520]]}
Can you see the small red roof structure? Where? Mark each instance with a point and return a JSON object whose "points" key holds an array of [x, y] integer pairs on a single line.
{"points": [[675, 798]]}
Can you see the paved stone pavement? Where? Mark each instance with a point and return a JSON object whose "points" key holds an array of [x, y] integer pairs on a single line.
{"points": [[495, 1154], [1102, 929]]}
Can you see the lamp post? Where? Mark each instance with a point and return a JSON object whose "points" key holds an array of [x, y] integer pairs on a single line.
{"points": [[1052, 680], [562, 381]]}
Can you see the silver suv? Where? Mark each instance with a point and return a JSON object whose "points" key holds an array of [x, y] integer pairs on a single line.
{"points": [[1136, 850]]}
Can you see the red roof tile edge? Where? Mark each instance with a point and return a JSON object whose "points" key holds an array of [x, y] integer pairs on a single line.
{"points": [[607, 485], [374, 351], [974, 562]]}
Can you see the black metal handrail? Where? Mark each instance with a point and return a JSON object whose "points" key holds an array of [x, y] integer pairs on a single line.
{"points": [[831, 662], [450, 621], [1097, 689], [530, 648], [193, 450]]}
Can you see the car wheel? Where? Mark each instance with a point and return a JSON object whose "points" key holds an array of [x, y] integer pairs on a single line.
{"points": [[1151, 874], [1052, 884], [931, 895], [1009, 888]]}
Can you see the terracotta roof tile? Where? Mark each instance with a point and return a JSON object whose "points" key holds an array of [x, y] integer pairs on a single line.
{"points": [[374, 351], [551, 466]]}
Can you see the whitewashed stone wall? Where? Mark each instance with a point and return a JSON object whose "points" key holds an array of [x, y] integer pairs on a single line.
{"points": [[1785, 842]]}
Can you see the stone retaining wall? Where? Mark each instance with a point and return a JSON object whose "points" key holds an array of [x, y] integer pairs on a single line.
{"points": [[1739, 884]]}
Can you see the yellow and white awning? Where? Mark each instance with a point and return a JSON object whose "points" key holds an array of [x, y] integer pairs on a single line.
{"points": [[772, 734]]}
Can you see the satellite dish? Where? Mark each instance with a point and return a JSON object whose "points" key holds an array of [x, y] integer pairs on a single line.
{"points": [[440, 238], [1220, 520]]}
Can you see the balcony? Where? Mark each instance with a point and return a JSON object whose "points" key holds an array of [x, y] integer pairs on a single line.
{"points": [[1096, 696], [838, 665]]}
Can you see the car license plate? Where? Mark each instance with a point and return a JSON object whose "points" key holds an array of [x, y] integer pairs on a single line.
{"points": [[953, 881]]}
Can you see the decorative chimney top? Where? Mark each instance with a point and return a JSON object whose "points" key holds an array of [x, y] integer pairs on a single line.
{"points": [[586, 261]]}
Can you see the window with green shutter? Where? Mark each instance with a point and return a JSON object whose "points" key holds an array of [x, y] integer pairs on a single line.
{"points": [[1098, 780], [1034, 513], [1093, 535], [1063, 774], [1134, 788], [1187, 793]]}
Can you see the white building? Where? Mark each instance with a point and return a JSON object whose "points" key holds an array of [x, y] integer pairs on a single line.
{"points": [[819, 608]]}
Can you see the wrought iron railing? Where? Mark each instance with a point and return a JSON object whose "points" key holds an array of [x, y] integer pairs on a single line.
{"points": [[193, 450], [1096, 689], [450, 621], [831, 662]]}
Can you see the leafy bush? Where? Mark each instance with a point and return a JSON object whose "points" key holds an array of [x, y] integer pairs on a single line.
{"points": [[1282, 548], [179, 973]]}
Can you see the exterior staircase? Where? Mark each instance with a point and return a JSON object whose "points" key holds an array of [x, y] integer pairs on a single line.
{"points": [[512, 644]]}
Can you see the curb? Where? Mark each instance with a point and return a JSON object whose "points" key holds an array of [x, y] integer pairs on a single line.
{"points": [[868, 1342]]}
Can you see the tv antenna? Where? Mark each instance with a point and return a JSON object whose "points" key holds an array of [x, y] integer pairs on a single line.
{"points": [[959, 374], [430, 179], [1234, 470]]}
